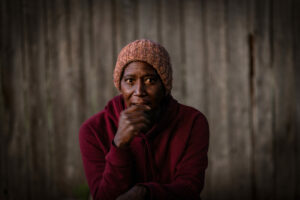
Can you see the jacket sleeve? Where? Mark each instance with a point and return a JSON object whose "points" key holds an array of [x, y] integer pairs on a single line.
{"points": [[188, 181], [108, 175]]}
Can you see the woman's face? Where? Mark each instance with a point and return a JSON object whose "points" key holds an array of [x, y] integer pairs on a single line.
{"points": [[141, 85]]}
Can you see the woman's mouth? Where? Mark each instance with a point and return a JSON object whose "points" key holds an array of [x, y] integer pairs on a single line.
{"points": [[146, 103]]}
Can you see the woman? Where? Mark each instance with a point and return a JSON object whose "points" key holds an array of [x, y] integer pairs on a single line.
{"points": [[144, 144]]}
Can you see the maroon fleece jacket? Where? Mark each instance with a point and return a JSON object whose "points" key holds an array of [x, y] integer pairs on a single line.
{"points": [[170, 159]]}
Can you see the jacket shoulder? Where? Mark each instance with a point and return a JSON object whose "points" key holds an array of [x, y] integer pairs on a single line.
{"points": [[94, 121]]}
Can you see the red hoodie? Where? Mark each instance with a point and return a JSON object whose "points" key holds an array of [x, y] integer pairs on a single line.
{"points": [[170, 159]]}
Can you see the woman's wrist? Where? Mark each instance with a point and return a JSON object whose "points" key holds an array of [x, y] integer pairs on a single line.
{"points": [[144, 190], [119, 145]]}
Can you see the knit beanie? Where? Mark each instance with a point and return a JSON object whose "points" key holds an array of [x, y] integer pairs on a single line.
{"points": [[146, 51]]}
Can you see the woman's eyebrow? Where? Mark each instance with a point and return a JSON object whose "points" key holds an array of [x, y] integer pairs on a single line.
{"points": [[150, 74], [129, 75]]}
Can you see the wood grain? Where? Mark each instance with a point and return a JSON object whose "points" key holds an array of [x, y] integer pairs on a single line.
{"points": [[296, 60], [195, 63], [218, 100], [262, 94], [238, 99], [284, 126], [195, 60], [148, 19], [171, 33]]}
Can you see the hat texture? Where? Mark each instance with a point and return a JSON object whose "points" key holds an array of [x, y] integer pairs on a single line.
{"points": [[146, 51]]}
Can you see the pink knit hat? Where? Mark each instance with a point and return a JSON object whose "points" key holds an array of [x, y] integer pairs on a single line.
{"points": [[149, 52]]}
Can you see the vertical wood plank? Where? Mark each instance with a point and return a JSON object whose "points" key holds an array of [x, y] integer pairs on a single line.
{"points": [[284, 138], [195, 64], [83, 94], [172, 31], [3, 107], [50, 69], [196, 71], [126, 22], [103, 50], [148, 19], [261, 91], [296, 48], [15, 136], [87, 63], [238, 99], [76, 32], [34, 58], [60, 94], [77, 49], [220, 179]]}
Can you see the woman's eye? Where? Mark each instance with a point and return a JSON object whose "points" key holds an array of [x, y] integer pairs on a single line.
{"points": [[150, 80], [129, 80]]}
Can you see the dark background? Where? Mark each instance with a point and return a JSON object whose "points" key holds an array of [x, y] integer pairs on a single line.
{"points": [[235, 60]]}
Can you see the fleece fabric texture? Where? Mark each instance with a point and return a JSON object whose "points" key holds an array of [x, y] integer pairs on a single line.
{"points": [[170, 159]]}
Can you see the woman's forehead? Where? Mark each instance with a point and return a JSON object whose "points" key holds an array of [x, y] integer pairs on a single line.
{"points": [[137, 67]]}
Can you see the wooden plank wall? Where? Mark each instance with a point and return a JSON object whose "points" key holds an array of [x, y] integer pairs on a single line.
{"points": [[236, 60]]}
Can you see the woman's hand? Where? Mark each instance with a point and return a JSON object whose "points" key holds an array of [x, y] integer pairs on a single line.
{"points": [[137, 193], [132, 120]]}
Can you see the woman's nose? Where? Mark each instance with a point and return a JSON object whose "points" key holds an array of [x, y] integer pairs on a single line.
{"points": [[140, 88]]}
